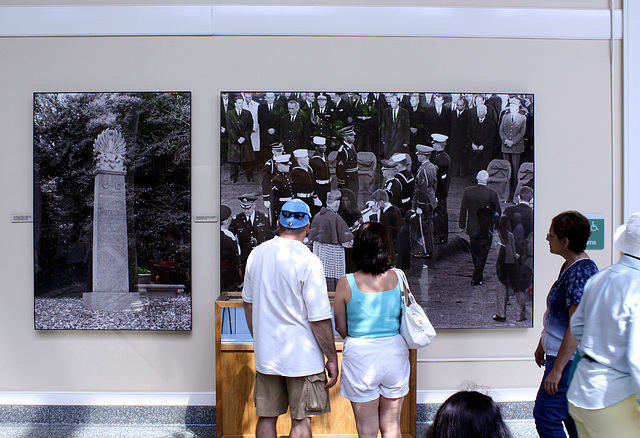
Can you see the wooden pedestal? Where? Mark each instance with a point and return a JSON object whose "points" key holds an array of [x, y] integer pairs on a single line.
{"points": [[235, 412]]}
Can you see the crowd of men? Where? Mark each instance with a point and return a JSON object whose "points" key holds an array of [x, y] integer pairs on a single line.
{"points": [[295, 142], [383, 123]]}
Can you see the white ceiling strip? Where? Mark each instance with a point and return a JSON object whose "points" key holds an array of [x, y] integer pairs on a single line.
{"points": [[172, 20]]}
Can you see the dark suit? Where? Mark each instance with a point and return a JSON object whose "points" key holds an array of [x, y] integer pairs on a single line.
{"points": [[477, 210], [294, 134], [458, 146], [240, 126], [438, 123], [224, 137], [268, 119], [418, 120], [481, 134], [395, 134], [366, 119]]}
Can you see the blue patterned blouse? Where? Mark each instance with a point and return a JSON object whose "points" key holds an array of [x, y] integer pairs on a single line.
{"points": [[567, 290]]}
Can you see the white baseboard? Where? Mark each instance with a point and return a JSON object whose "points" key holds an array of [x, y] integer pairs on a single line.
{"points": [[498, 394], [82, 398]]}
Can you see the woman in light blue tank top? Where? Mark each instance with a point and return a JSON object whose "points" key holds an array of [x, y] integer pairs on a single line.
{"points": [[375, 357]]}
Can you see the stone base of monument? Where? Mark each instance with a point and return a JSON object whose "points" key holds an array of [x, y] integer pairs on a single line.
{"points": [[160, 290], [110, 301]]}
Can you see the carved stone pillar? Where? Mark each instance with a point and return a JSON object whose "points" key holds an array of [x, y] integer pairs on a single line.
{"points": [[110, 245]]}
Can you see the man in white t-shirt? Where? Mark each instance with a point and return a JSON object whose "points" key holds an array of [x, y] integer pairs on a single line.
{"points": [[289, 315]]}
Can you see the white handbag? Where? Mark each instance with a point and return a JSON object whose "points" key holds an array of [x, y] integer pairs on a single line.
{"points": [[415, 327]]}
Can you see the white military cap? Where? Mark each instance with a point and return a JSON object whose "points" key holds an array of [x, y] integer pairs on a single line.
{"points": [[284, 158]]}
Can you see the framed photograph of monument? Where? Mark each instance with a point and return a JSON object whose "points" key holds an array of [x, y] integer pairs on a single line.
{"points": [[112, 211], [451, 175]]}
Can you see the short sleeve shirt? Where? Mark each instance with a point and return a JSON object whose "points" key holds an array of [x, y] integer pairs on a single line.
{"points": [[285, 283], [567, 290]]}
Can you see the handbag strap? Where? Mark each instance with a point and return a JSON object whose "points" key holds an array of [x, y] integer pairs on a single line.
{"points": [[406, 292]]}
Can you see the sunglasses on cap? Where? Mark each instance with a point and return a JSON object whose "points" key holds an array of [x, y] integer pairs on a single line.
{"points": [[296, 215]]}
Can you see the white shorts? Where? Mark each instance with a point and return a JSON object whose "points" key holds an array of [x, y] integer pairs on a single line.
{"points": [[374, 367]]}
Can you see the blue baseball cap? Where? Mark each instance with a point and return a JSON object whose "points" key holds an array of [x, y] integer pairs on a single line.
{"points": [[295, 214]]}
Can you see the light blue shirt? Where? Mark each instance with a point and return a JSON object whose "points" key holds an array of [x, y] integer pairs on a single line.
{"points": [[607, 324], [373, 314]]}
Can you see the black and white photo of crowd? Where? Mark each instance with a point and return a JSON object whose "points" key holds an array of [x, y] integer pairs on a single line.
{"points": [[449, 174]]}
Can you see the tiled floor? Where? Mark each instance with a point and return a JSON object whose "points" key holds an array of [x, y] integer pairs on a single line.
{"points": [[101, 431], [519, 429], [174, 422]]}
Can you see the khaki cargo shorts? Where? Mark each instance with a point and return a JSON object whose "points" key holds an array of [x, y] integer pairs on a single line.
{"points": [[304, 396]]}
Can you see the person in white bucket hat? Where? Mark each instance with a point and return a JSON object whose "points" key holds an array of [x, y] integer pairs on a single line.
{"points": [[605, 390]]}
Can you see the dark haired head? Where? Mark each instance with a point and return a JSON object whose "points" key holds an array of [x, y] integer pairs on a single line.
{"points": [[468, 414], [372, 248], [573, 226]]}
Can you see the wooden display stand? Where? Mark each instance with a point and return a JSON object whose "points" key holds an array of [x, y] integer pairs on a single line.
{"points": [[235, 411]]}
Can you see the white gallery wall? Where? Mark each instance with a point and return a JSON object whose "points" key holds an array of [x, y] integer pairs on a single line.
{"points": [[578, 161]]}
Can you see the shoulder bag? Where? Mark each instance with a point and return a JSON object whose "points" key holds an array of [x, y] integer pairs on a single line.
{"points": [[415, 327]]}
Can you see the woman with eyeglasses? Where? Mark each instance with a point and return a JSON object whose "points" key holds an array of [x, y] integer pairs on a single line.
{"points": [[567, 237], [375, 357]]}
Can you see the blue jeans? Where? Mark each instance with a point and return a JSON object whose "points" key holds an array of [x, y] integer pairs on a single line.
{"points": [[551, 411]]}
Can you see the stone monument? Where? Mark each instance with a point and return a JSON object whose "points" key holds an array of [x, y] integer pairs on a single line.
{"points": [[110, 246]]}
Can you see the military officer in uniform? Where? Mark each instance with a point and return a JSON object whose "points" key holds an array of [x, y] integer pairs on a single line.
{"points": [[367, 125], [442, 161], [269, 171], [320, 167], [392, 186], [281, 187], [406, 180], [512, 131], [321, 120], [424, 198], [251, 227], [347, 161], [303, 181]]}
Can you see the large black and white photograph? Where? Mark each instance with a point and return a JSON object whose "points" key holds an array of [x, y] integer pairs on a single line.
{"points": [[450, 175], [112, 211]]}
